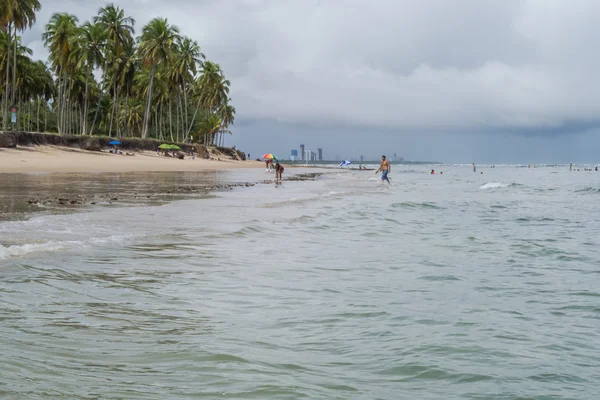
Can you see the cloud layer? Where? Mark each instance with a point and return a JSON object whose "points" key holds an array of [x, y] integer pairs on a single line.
{"points": [[461, 65]]}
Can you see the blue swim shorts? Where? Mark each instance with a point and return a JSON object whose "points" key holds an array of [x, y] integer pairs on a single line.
{"points": [[384, 175]]}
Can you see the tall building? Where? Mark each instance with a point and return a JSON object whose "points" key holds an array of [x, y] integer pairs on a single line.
{"points": [[294, 154], [362, 158], [320, 154], [302, 151]]}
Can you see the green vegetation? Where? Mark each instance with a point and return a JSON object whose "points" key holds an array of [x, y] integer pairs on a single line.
{"points": [[100, 79]]}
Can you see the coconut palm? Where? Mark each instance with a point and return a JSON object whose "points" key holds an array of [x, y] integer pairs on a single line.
{"points": [[155, 47], [23, 16], [117, 27], [93, 40], [208, 128], [60, 38], [188, 58], [15, 15], [227, 114], [211, 89]]}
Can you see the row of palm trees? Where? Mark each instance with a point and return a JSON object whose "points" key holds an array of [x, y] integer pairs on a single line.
{"points": [[101, 79]]}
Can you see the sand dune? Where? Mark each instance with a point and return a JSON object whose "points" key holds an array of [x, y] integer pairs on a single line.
{"points": [[57, 159]]}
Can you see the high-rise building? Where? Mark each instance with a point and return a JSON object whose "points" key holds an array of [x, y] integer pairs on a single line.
{"points": [[320, 154], [362, 158], [302, 151]]}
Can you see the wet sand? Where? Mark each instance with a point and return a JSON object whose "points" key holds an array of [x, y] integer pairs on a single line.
{"points": [[22, 195], [62, 160]]}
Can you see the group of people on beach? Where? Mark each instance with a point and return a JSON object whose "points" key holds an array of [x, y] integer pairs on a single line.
{"points": [[585, 169]]}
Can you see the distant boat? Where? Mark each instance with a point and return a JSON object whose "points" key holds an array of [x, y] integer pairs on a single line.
{"points": [[345, 162]]}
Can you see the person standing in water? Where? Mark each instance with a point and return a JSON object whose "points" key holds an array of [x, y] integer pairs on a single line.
{"points": [[474, 168], [385, 169], [278, 172]]}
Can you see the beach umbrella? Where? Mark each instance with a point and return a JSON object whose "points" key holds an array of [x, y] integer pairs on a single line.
{"points": [[345, 162], [114, 143], [166, 146], [269, 156]]}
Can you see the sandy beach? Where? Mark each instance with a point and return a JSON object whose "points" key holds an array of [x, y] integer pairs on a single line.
{"points": [[52, 159]]}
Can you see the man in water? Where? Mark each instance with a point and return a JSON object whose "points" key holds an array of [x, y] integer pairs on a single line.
{"points": [[474, 168], [385, 169], [278, 172]]}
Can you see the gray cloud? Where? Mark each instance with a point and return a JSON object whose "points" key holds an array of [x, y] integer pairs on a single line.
{"points": [[394, 65]]}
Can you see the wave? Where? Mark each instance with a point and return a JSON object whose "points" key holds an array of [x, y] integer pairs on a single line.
{"points": [[19, 250], [494, 185], [499, 185], [23, 249], [410, 204], [588, 190]]}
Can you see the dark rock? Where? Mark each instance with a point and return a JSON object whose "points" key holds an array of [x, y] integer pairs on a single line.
{"points": [[91, 144], [8, 140]]}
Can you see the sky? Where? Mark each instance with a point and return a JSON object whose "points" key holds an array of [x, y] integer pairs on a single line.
{"points": [[460, 81]]}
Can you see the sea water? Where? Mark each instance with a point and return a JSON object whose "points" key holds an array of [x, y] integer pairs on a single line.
{"points": [[454, 286]]}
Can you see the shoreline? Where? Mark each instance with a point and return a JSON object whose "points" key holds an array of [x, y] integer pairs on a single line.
{"points": [[52, 159], [27, 195]]}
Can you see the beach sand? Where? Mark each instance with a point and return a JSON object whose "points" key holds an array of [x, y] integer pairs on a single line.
{"points": [[60, 160]]}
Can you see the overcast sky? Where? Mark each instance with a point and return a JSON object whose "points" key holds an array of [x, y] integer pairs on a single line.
{"points": [[449, 80]]}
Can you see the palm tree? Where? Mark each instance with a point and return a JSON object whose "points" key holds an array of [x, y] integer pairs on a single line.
{"points": [[227, 114], [185, 66], [155, 47], [119, 31], [208, 127], [117, 26], [23, 16], [14, 15], [60, 38], [93, 40], [211, 89]]}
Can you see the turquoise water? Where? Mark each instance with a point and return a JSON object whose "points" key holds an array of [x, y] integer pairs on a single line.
{"points": [[454, 286]]}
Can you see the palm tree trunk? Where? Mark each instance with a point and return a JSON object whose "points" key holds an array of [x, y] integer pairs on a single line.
{"points": [[125, 125], [117, 115], [177, 117], [112, 112], [14, 68], [193, 119], [148, 100], [59, 97], [7, 91], [64, 105], [85, 106], [171, 119], [181, 123], [162, 120], [39, 103], [185, 113], [99, 97], [156, 124]]}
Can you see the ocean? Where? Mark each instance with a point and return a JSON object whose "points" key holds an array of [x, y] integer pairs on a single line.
{"points": [[454, 286]]}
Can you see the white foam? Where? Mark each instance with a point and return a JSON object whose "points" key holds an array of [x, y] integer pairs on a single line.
{"points": [[494, 185], [23, 249]]}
